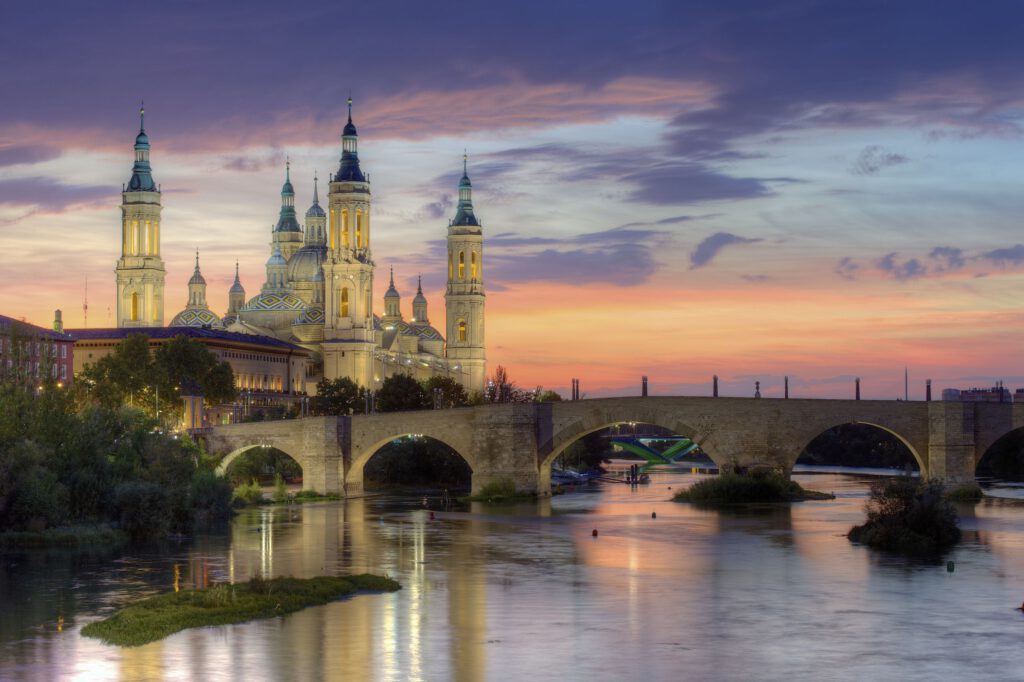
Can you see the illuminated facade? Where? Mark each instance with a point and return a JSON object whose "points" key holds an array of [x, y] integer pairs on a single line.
{"points": [[318, 291]]}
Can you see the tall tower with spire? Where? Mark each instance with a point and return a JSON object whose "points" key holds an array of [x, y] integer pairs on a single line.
{"points": [[349, 339], [287, 235], [464, 297], [236, 295], [140, 270]]}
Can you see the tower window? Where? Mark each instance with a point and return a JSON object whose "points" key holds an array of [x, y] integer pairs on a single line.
{"points": [[359, 230], [462, 330], [472, 265], [450, 257], [344, 229], [462, 265], [135, 307], [343, 305]]}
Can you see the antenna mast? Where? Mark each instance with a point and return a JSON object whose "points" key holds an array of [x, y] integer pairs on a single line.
{"points": [[85, 306]]}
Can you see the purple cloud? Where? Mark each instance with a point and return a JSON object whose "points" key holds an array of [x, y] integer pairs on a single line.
{"points": [[908, 269], [705, 251], [847, 268], [1013, 255], [874, 158], [947, 258], [49, 196], [18, 154]]}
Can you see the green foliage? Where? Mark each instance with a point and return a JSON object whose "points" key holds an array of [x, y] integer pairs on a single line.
{"points": [[249, 493], [417, 462], [210, 497], [280, 491], [338, 397], [449, 393], [143, 510], [64, 536], [969, 492], [858, 445], [908, 517], [221, 604], [585, 454], [754, 487], [547, 396], [501, 490], [401, 392]]}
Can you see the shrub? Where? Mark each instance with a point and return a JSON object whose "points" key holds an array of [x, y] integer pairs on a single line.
{"points": [[249, 493], [280, 492], [908, 517], [732, 488], [143, 510], [969, 492], [210, 497], [501, 489]]}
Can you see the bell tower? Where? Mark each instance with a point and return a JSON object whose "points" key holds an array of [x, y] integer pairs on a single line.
{"points": [[349, 339], [140, 270], [464, 297]]}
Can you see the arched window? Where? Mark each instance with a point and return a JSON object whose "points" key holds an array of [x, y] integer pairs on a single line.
{"points": [[135, 307], [451, 256], [472, 265], [359, 229], [334, 229], [344, 229], [462, 265], [462, 330], [343, 305]]}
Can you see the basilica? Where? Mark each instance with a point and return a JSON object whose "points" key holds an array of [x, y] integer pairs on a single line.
{"points": [[318, 292]]}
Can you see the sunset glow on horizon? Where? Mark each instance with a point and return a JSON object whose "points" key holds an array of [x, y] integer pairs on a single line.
{"points": [[819, 191]]}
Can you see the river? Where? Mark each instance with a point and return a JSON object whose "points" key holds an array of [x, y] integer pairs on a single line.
{"points": [[526, 592]]}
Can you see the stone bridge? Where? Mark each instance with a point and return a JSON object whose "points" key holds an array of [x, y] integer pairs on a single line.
{"points": [[520, 441]]}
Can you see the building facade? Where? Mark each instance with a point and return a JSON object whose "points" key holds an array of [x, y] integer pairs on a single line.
{"points": [[31, 355], [318, 291]]}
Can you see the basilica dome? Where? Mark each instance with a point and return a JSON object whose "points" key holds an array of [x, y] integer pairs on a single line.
{"points": [[304, 265], [197, 317]]}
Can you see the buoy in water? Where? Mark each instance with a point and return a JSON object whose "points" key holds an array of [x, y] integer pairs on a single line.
{"points": [[950, 567], [594, 533]]}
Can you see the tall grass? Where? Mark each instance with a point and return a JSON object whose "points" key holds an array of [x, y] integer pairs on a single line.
{"points": [[754, 487], [908, 517]]}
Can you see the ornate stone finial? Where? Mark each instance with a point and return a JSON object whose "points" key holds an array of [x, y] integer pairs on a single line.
{"points": [[350, 107], [287, 169], [757, 389], [392, 276], [142, 115], [236, 269], [465, 160], [197, 259], [316, 192], [419, 284]]}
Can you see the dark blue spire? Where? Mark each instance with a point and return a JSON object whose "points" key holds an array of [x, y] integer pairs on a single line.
{"points": [[464, 214], [348, 170], [287, 222], [142, 176]]}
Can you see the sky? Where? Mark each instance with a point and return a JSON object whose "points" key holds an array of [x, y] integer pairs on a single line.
{"points": [[818, 190]]}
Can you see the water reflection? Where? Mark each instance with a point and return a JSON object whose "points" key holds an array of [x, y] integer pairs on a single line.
{"points": [[517, 591]]}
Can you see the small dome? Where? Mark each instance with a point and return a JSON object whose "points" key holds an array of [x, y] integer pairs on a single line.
{"points": [[197, 317], [350, 128], [274, 302], [276, 260], [142, 139], [420, 298], [237, 288], [315, 212], [304, 265]]}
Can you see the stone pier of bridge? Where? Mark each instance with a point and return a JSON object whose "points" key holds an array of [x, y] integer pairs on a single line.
{"points": [[518, 442]]}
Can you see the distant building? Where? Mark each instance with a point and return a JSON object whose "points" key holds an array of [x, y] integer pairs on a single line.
{"points": [[30, 354], [268, 372], [996, 394]]}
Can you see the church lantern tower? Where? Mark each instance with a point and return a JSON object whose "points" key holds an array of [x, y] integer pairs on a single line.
{"points": [[464, 297], [140, 270], [236, 294], [349, 339], [287, 235]]}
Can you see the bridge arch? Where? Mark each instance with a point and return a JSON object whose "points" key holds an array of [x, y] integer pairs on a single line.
{"points": [[1001, 457], [818, 429], [597, 421], [228, 459], [357, 466]]}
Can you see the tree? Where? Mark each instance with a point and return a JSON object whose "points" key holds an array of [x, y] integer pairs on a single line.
{"points": [[401, 392], [184, 361], [115, 379], [445, 392], [547, 396], [337, 396]]}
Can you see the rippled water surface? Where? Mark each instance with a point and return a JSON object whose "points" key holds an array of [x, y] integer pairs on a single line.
{"points": [[525, 592]]}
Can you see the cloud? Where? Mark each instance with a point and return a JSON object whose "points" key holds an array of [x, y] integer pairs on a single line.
{"points": [[709, 247], [909, 269], [624, 265], [435, 209], [947, 258], [756, 278], [18, 154], [874, 158], [49, 196], [847, 268], [684, 182], [256, 163], [1013, 255]]}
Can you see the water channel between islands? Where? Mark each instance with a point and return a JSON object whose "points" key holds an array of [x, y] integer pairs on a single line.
{"points": [[499, 592]]}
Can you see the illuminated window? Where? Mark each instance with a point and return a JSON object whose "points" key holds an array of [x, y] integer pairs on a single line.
{"points": [[462, 330], [359, 230], [135, 307], [450, 257], [344, 229], [472, 265], [334, 227], [343, 306], [462, 265]]}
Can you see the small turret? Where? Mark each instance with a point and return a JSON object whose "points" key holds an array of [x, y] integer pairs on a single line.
{"points": [[419, 306], [464, 214], [348, 170], [236, 294], [142, 176], [392, 302], [197, 287]]}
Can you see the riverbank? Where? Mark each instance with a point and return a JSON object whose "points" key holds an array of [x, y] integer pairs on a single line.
{"points": [[66, 536], [157, 617]]}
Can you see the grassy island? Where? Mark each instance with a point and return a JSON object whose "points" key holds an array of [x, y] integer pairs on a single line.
{"points": [[746, 488], [908, 517], [502, 490], [223, 604]]}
